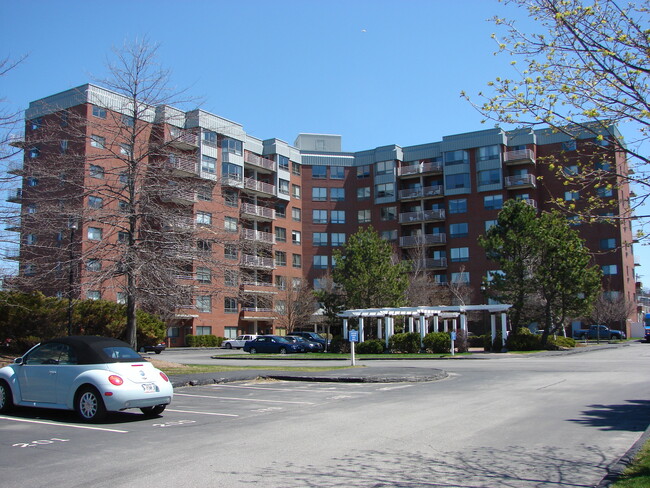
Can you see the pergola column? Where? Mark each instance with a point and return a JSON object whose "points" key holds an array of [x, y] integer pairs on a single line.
{"points": [[379, 328], [410, 318], [421, 330], [436, 323], [503, 329], [345, 328], [361, 335], [445, 325], [493, 326], [387, 326], [463, 322]]}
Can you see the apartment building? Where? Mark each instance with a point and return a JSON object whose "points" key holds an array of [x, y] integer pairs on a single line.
{"points": [[230, 222]]}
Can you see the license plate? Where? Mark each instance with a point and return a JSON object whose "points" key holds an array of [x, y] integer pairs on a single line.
{"points": [[149, 387]]}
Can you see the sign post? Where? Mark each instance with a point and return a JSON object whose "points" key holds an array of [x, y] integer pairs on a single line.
{"points": [[353, 336], [453, 338]]}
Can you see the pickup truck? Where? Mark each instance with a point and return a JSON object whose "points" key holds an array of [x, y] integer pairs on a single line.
{"points": [[599, 332]]}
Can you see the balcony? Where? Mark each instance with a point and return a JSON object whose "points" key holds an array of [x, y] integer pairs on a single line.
{"points": [[257, 313], [521, 156], [15, 167], [14, 223], [259, 186], [423, 240], [259, 262], [421, 168], [183, 166], [180, 224], [257, 212], [232, 179], [421, 216], [260, 287], [15, 195], [259, 162], [258, 236], [17, 140], [12, 254], [182, 139], [423, 192], [180, 196], [521, 181], [530, 201], [430, 263]]}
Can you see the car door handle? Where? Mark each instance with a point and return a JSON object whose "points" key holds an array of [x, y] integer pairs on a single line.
{"points": [[51, 372]]}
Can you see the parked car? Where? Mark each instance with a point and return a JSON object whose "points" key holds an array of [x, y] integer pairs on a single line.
{"points": [[599, 332], [307, 345], [157, 348], [239, 342], [89, 374], [312, 336], [647, 334], [271, 344]]}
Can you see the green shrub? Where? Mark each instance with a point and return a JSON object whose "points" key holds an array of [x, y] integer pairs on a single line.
{"points": [[407, 342], [437, 342], [373, 346], [522, 341], [560, 342], [203, 340], [24, 344]]}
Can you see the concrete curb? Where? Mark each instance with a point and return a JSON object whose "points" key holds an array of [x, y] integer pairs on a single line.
{"points": [[615, 471]]}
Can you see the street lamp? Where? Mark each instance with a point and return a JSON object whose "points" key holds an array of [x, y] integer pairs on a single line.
{"points": [[72, 225]]}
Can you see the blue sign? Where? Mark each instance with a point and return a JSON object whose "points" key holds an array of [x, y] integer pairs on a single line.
{"points": [[353, 336], [453, 336]]}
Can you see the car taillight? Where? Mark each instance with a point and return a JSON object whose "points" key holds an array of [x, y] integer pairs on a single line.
{"points": [[164, 376], [115, 380]]}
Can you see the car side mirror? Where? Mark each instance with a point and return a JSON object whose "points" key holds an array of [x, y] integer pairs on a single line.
{"points": [[18, 361]]}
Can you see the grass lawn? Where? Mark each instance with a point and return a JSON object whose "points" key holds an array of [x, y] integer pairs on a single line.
{"points": [[174, 369], [325, 356], [637, 474]]}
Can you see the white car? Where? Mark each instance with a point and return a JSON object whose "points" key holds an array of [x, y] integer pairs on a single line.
{"points": [[239, 342], [89, 374]]}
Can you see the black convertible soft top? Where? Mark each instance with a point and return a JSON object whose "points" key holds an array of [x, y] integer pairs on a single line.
{"points": [[97, 350]]}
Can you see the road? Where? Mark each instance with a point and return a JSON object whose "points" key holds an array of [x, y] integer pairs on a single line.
{"points": [[511, 421]]}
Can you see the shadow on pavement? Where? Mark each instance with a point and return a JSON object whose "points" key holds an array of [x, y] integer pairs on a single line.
{"points": [[633, 416]]}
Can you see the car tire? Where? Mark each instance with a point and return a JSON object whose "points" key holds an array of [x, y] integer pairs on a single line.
{"points": [[158, 351], [6, 398], [583, 337], [228, 345], [253, 350], [283, 350], [153, 411], [90, 405]]}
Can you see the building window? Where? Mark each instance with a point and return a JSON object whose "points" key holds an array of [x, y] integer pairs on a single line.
{"points": [[295, 168], [321, 262], [204, 303], [64, 118], [295, 237], [460, 278], [229, 251], [389, 235], [493, 202], [122, 237], [31, 239], [230, 305], [489, 177], [128, 121], [281, 282], [97, 141], [319, 239], [610, 269], [338, 239], [337, 194], [385, 190], [36, 123], [63, 146], [209, 165], [296, 260], [210, 138], [458, 230], [94, 295], [319, 216], [31, 208], [230, 332], [32, 181], [384, 167], [604, 192], [363, 216], [229, 171], [459, 254], [126, 150], [458, 205], [280, 258], [283, 187], [124, 178], [571, 170], [569, 145], [94, 233], [363, 171], [319, 194], [608, 243], [34, 153], [230, 224], [283, 162], [280, 234], [296, 214], [96, 171], [203, 330], [363, 193], [231, 146], [318, 172], [230, 197], [121, 298], [95, 202], [203, 274], [489, 152], [337, 216], [337, 172], [230, 278], [94, 265], [203, 218], [295, 191], [99, 112], [456, 157], [388, 213], [571, 196], [281, 210], [457, 181], [490, 223]]}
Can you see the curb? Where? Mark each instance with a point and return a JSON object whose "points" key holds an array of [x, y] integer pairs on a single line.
{"points": [[615, 470]]}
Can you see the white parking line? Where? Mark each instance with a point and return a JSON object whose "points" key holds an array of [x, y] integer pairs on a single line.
{"points": [[310, 390], [59, 424], [242, 399], [203, 413]]}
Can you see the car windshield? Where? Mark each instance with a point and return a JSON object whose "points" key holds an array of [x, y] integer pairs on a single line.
{"points": [[282, 339], [122, 353]]}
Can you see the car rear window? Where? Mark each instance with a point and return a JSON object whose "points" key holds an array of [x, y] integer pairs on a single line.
{"points": [[122, 353]]}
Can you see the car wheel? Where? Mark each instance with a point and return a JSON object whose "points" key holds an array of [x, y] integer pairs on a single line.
{"points": [[89, 404], [158, 352], [6, 399], [153, 411], [253, 350], [142, 349], [583, 337], [283, 350], [229, 346]]}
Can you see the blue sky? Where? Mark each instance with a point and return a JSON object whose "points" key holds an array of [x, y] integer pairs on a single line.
{"points": [[376, 72]]}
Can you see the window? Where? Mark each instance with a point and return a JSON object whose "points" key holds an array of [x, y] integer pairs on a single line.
{"points": [[94, 265], [608, 243], [569, 145], [230, 197], [121, 298], [337, 172], [319, 239], [321, 262], [283, 187], [281, 282], [97, 141], [203, 218], [230, 277], [96, 171], [610, 269], [295, 237], [458, 230], [296, 214], [363, 216], [63, 146], [230, 305], [363, 193], [460, 277], [93, 295], [204, 303], [337, 216], [295, 168], [123, 206], [230, 224], [203, 274], [604, 192], [95, 202], [603, 166], [126, 150], [318, 172], [363, 171], [489, 152], [94, 233], [124, 178], [295, 191], [31, 239], [296, 260], [571, 170], [457, 181], [456, 157], [32, 181], [384, 167], [64, 118], [122, 237], [228, 170], [36, 123], [490, 223], [389, 235], [337, 194], [281, 210], [319, 194], [385, 190], [203, 330], [459, 254], [128, 121], [210, 138], [209, 165], [387, 213], [99, 112], [458, 206], [31, 208], [229, 251], [283, 162], [571, 195], [231, 146], [280, 258], [338, 239], [280, 234], [489, 177], [319, 216], [280, 307], [34, 152], [493, 202]]}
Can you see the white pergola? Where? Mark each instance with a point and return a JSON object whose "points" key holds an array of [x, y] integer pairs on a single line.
{"points": [[418, 318]]}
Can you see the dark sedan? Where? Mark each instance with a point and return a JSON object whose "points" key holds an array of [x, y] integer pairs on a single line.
{"points": [[157, 348], [271, 344], [307, 345]]}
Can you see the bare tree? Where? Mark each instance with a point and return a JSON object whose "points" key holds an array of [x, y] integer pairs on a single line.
{"points": [[611, 309], [295, 305]]}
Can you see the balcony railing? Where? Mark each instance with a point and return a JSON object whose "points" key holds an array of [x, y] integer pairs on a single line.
{"points": [[421, 216], [259, 161], [249, 261], [434, 167], [427, 191], [15, 195], [181, 223], [422, 240], [258, 211], [181, 196], [258, 235], [14, 223], [183, 139], [430, 263], [258, 287], [15, 167], [519, 156], [259, 186], [183, 165], [12, 254], [17, 140], [520, 181]]}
